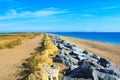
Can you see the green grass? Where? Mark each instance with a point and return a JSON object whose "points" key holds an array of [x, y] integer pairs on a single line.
{"points": [[2, 47]]}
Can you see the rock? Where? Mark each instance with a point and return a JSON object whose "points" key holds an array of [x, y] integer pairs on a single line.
{"points": [[74, 53], [57, 60], [83, 71], [74, 48], [70, 68], [68, 45], [60, 46], [111, 72], [105, 76], [69, 78], [55, 43], [103, 62], [64, 42], [77, 55], [81, 57], [59, 40], [65, 51], [73, 60], [60, 58], [94, 74], [95, 56], [85, 52], [116, 70]]}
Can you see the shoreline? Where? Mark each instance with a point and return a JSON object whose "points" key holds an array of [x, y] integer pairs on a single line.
{"points": [[105, 50], [105, 42]]}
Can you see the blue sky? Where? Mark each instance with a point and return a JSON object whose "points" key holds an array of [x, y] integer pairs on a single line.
{"points": [[60, 15]]}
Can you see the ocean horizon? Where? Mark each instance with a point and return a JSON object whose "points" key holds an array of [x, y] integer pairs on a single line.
{"points": [[105, 37]]}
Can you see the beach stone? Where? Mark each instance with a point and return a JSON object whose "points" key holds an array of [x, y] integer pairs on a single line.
{"points": [[83, 71], [60, 40], [56, 37], [95, 56], [77, 57], [116, 70], [70, 68], [81, 57], [103, 62], [78, 53], [61, 57], [65, 51], [65, 42], [60, 46], [69, 78], [57, 60], [74, 48], [111, 72], [68, 45], [85, 52], [73, 60], [105, 76], [94, 74], [75, 53], [55, 43]]}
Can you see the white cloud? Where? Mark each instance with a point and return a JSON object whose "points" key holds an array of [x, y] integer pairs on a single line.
{"points": [[18, 20], [28, 14]]}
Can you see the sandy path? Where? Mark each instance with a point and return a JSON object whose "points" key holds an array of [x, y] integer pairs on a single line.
{"points": [[108, 51], [11, 59]]}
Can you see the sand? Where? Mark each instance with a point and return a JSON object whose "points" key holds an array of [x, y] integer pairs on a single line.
{"points": [[11, 59], [108, 51]]}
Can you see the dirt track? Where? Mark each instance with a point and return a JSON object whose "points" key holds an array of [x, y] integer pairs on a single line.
{"points": [[11, 59]]}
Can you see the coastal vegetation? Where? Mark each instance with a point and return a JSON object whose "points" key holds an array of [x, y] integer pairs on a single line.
{"points": [[36, 64], [14, 39]]}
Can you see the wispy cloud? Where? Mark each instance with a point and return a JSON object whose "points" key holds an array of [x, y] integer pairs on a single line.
{"points": [[87, 15], [29, 14], [112, 7], [100, 9], [29, 20]]}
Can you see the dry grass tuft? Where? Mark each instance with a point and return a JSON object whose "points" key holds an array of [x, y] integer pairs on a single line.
{"points": [[38, 61], [62, 69], [12, 40]]}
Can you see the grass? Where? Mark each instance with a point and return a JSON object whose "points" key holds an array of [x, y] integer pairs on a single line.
{"points": [[2, 47], [37, 62], [62, 69], [12, 40]]}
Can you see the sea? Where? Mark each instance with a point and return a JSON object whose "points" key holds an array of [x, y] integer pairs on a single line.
{"points": [[105, 37]]}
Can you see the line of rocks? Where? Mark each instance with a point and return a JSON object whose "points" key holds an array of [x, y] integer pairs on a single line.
{"points": [[83, 65]]}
